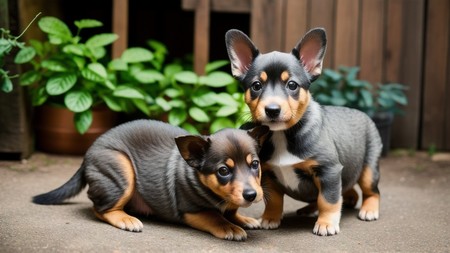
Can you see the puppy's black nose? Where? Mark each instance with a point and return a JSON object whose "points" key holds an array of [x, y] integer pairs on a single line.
{"points": [[249, 195], [272, 110]]}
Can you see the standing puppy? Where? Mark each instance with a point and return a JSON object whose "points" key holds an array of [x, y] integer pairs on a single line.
{"points": [[152, 168], [315, 153]]}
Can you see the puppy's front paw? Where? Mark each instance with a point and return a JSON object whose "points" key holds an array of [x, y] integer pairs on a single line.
{"points": [[230, 232], [368, 215], [325, 229], [267, 223], [250, 223]]}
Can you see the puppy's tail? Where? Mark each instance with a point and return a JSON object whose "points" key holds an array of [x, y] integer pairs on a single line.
{"points": [[65, 191]]}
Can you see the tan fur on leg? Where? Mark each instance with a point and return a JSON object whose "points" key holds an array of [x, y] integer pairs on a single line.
{"points": [[115, 215]]}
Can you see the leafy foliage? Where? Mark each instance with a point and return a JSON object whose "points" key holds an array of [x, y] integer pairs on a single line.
{"points": [[7, 43], [343, 88], [75, 73]]}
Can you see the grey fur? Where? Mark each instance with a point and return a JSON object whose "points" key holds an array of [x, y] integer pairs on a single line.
{"points": [[165, 183]]}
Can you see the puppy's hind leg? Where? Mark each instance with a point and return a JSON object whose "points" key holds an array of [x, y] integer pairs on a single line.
{"points": [[368, 181], [116, 215]]}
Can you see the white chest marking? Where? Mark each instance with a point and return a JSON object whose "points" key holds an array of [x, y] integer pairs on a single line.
{"points": [[282, 161]]}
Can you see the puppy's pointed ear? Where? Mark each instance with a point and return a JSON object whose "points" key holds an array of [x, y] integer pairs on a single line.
{"points": [[259, 133], [241, 51], [193, 149], [310, 50]]}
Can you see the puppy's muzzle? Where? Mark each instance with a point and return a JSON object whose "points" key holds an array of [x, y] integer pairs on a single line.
{"points": [[272, 111]]}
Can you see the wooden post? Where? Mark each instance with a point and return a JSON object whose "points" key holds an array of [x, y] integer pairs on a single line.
{"points": [[15, 117], [201, 36], [120, 27]]}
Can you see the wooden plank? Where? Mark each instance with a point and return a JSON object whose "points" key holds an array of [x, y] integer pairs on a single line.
{"points": [[436, 65], [394, 40], [235, 6], [406, 128], [372, 29], [266, 24], [15, 121], [120, 27], [201, 36], [447, 103], [322, 14], [295, 22], [347, 20]]}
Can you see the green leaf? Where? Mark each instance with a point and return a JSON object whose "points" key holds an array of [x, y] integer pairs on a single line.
{"points": [[186, 77], [172, 92], [112, 103], [78, 101], [176, 103], [98, 52], [74, 49], [226, 99], [225, 111], [101, 40], [5, 46], [367, 98], [198, 114], [136, 54], [204, 99], [128, 92], [215, 65], [177, 117], [54, 65], [190, 128], [217, 79], [25, 54], [118, 65], [29, 77], [38, 96], [55, 27], [148, 76], [6, 84], [157, 46], [59, 84], [38, 46], [88, 23], [172, 69], [333, 75], [220, 123], [83, 121], [163, 104], [141, 105], [98, 69]]}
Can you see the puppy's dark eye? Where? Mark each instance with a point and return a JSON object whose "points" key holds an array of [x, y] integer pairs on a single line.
{"points": [[223, 171], [254, 165], [256, 86], [292, 85]]}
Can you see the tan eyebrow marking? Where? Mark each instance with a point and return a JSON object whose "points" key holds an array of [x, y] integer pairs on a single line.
{"points": [[284, 76], [230, 163], [263, 76], [249, 159]]}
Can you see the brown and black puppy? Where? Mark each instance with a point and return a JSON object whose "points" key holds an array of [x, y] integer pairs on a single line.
{"points": [[314, 153], [152, 168]]}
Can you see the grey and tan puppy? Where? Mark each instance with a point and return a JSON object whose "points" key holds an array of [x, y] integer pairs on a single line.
{"points": [[152, 168], [314, 153]]}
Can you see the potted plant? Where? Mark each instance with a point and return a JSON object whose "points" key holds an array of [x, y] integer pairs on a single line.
{"points": [[74, 78], [201, 104], [381, 103]]}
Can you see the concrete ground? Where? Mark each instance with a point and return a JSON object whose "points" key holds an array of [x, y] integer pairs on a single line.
{"points": [[415, 209]]}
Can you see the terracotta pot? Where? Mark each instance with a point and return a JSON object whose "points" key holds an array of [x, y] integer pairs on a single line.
{"points": [[56, 132]]}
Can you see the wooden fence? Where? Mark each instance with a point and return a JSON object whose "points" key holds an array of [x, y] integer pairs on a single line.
{"points": [[404, 41]]}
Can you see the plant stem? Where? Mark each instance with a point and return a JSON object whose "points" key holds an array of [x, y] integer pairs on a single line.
{"points": [[28, 26]]}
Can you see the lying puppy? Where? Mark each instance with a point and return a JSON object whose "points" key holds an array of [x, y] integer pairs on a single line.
{"points": [[152, 168], [314, 153]]}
